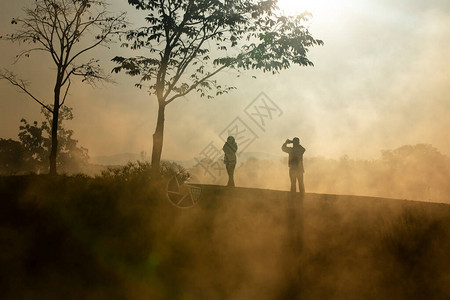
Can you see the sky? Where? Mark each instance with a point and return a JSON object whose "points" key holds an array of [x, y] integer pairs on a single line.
{"points": [[381, 80]]}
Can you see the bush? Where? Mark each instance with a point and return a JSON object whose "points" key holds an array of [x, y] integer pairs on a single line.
{"points": [[141, 170]]}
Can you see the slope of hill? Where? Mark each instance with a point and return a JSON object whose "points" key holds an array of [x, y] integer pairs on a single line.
{"points": [[103, 238], [332, 246]]}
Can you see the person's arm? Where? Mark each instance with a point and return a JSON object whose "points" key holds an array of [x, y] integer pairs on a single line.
{"points": [[285, 148], [303, 149], [232, 147]]}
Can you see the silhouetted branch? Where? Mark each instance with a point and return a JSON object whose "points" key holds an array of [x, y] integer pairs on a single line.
{"points": [[91, 72], [21, 84], [65, 93], [58, 26], [196, 84], [106, 32]]}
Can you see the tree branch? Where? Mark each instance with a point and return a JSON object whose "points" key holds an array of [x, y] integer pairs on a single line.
{"points": [[192, 87], [65, 94], [12, 78], [103, 37]]}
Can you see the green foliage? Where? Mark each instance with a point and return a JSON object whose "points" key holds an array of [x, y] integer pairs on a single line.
{"points": [[70, 157], [141, 171], [37, 140], [189, 42], [65, 30], [170, 169], [34, 147], [137, 170], [14, 158], [32, 139]]}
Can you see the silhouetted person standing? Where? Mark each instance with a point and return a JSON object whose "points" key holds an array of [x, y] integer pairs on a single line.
{"points": [[295, 163], [230, 149]]}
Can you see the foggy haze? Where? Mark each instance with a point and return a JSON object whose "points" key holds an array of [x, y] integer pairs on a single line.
{"points": [[372, 114], [379, 82]]}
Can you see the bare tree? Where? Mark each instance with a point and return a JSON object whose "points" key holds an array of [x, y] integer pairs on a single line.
{"points": [[65, 30], [189, 42]]}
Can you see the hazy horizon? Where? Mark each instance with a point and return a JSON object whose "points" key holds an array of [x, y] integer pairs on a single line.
{"points": [[379, 82], [364, 213]]}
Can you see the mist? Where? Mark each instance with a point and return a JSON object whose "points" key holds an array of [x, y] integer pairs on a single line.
{"points": [[379, 82], [117, 237], [374, 223], [415, 172]]}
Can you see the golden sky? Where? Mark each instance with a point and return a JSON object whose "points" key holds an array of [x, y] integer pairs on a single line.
{"points": [[381, 80]]}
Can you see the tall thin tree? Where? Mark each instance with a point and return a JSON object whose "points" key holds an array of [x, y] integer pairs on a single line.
{"points": [[189, 42], [65, 30]]}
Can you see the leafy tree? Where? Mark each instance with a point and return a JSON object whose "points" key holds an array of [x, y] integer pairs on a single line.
{"points": [[13, 157], [34, 143], [36, 140], [65, 30], [189, 42]]}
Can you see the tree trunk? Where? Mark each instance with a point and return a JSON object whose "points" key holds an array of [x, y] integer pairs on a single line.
{"points": [[158, 142], [55, 119]]}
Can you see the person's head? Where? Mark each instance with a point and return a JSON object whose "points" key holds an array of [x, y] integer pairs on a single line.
{"points": [[296, 141], [230, 139]]}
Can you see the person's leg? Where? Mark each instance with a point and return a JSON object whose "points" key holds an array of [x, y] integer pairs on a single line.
{"points": [[230, 171], [232, 174], [293, 179], [301, 185]]}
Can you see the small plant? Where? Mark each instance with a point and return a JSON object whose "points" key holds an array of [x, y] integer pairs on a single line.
{"points": [[130, 171], [141, 170], [170, 169]]}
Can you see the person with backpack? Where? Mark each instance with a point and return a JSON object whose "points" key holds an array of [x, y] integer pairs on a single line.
{"points": [[295, 163]]}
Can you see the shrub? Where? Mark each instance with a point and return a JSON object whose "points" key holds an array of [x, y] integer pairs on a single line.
{"points": [[141, 170]]}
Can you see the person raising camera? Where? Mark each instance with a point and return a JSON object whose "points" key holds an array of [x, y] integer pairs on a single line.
{"points": [[295, 163]]}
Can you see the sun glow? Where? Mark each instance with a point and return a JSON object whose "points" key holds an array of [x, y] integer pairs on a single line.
{"points": [[294, 7], [318, 8]]}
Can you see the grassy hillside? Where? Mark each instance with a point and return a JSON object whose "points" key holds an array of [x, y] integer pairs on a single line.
{"points": [[119, 238]]}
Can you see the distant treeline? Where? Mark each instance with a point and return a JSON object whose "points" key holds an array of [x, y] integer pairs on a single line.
{"points": [[418, 172]]}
